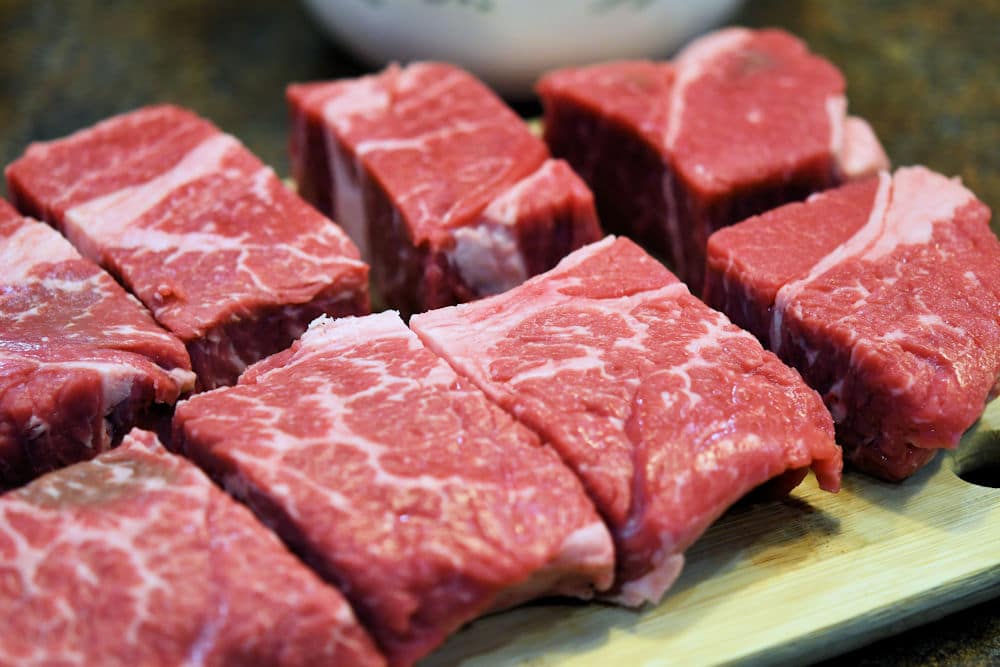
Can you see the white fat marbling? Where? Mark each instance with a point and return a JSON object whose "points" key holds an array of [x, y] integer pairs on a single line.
{"points": [[101, 222]]}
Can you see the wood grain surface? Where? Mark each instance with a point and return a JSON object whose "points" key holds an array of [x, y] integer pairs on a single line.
{"points": [[787, 582]]}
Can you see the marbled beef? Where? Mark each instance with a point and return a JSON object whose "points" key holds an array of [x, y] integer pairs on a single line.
{"points": [[666, 411], [400, 482], [136, 558], [741, 121], [448, 194], [207, 237], [80, 360], [885, 294]]}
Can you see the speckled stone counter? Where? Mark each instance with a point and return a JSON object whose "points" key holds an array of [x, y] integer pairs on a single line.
{"points": [[925, 74]]}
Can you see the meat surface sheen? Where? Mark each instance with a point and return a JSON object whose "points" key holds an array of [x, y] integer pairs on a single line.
{"points": [[741, 121], [885, 295], [136, 558], [80, 360], [444, 188], [666, 411], [400, 482], [207, 237]]}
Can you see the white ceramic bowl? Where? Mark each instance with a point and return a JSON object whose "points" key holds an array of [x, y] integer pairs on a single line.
{"points": [[509, 43]]}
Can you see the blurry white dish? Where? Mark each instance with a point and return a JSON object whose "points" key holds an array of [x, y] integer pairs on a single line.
{"points": [[509, 43]]}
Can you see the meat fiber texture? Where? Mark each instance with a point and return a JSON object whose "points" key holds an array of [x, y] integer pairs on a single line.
{"points": [[444, 188], [80, 360], [666, 411], [398, 481], [194, 225], [885, 294], [136, 558], [740, 122]]}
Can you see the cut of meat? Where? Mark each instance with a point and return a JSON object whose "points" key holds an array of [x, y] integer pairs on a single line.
{"points": [[740, 122], [444, 188], [194, 225], [885, 295], [80, 360], [400, 482], [666, 411], [136, 558]]}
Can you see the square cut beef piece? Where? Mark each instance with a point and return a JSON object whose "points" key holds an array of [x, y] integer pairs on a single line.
{"points": [[136, 558], [885, 295], [741, 121], [444, 188], [398, 481], [207, 237], [80, 360], [667, 412]]}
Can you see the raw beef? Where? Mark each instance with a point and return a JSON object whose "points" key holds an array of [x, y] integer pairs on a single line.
{"points": [[398, 481], [444, 188], [885, 294], [80, 360], [136, 558], [195, 226], [666, 411], [740, 122]]}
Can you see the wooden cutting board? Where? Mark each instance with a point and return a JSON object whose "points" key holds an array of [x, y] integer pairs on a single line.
{"points": [[788, 581]]}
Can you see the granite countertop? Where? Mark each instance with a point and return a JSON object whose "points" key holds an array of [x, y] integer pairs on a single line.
{"points": [[925, 74]]}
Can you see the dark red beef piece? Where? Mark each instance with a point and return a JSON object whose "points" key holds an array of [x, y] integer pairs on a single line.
{"points": [[741, 121], [667, 412], [884, 294], [403, 484], [207, 237], [444, 188], [136, 558], [81, 361]]}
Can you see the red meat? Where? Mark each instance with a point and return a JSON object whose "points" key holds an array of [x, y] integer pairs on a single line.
{"points": [[136, 558], [885, 295], [398, 481], [448, 194], [666, 411], [741, 121], [80, 360], [194, 225]]}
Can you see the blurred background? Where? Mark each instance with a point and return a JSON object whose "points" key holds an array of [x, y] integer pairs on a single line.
{"points": [[925, 74]]}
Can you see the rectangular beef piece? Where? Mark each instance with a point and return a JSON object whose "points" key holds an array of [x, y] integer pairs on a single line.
{"points": [[136, 558], [398, 481], [741, 121], [444, 188], [666, 411], [195, 226], [885, 295], [80, 360]]}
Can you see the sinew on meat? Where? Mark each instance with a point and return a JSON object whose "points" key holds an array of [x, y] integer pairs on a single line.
{"points": [[884, 294], [666, 411], [444, 188], [398, 481], [207, 237], [741, 121], [80, 360], [136, 558]]}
